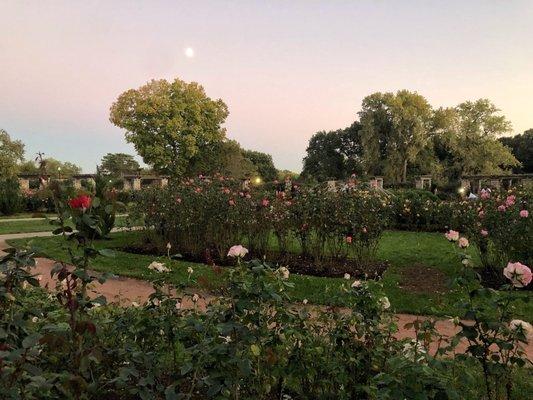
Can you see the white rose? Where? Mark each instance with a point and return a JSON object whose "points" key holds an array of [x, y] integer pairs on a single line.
{"points": [[284, 272], [516, 324], [347, 276], [385, 303]]}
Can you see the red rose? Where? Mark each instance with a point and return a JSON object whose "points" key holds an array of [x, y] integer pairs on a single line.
{"points": [[81, 202]]}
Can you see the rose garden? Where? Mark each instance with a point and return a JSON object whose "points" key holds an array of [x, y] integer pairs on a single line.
{"points": [[266, 288]]}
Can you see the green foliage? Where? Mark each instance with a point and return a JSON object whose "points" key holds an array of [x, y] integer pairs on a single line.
{"points": [[522, 148], [206, 216], [118, 164], [226, 158], [334, 155], [11, 200], [170, 123], [11, 152], [395, 128], [263, 163], [253, 342], [50, 166], [495, 225], [401, 135]]}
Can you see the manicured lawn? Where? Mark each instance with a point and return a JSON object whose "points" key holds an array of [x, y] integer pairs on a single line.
{"points": [[406, 251], [40, 225]]}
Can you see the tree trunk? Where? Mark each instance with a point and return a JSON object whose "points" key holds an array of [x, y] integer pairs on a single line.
{"points": [[404, 172]]}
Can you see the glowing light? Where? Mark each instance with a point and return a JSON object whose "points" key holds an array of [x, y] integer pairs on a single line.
{"points": [[461, 190], [257, 180], [189, 52]]}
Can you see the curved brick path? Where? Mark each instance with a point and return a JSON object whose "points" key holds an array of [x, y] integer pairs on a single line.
{"points": [[124, 291]]}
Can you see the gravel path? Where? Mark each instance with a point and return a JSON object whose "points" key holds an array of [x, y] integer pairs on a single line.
{"points": [[124, 291]]}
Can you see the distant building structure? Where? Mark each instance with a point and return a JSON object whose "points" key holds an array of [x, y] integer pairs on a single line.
{"points": [[474, 183], [130, 182], [423, 182]]}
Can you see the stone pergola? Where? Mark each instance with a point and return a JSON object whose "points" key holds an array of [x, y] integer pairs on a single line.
{"points": [[376, 182], [423, 182], [130, 182], [474, 183]]}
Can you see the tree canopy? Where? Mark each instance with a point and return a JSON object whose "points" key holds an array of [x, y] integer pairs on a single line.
{"points": [[263, 164], [395, 128], [170, 123], [11, 153], [334, 154], [51, 166], [119, 164], [522, 148], [225, 157], [400, 135]]}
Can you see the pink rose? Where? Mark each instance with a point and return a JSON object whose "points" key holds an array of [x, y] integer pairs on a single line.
{"points": [[481, 214], [452, 236], [485, 194], [231, 202], [265, 202], [524, 213], [518, 273], [364, 230], [463, 243], [484, 233], [237, 251], [502, 208], [178, 200], [348, 239], [510, 200]]}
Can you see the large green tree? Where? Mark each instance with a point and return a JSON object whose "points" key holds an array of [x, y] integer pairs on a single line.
{"points": [[170, 123], [118, 164], [522, 148], [334, 154], [466, 139], [226, 157], [263, 163], [395, 129], [11, 153]]}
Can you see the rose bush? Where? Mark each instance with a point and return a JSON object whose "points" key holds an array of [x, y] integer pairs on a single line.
{"points": [[253, 342], [202, 217], [498, 224]]}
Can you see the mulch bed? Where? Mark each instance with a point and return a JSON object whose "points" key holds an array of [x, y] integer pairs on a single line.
{"points": [[298, 264], [424, 280]]}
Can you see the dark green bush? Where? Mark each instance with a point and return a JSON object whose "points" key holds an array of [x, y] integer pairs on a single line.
{"points": [[11, 200]]}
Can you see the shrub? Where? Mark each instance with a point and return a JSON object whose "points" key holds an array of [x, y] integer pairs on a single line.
{"points": [[10, 197], [203, 217], [500, 226], [251, 343]]}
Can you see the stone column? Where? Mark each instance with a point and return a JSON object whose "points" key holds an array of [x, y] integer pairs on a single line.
{"points": [[77, 183], [164, 182], [136, 183], [126, 184], [24, 183]]}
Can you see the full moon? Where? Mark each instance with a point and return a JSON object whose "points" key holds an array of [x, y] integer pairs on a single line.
{"points": [[189, 52]]}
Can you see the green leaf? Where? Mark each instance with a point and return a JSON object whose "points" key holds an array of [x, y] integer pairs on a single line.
{"points": [[256, 351], [31, 340]]}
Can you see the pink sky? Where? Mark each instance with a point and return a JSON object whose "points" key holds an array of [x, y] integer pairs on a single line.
{"points": [[285, 69]]}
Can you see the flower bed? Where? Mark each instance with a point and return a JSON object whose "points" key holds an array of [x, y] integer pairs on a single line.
{"points": [[314, 228]]}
